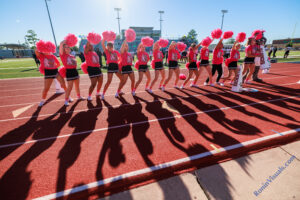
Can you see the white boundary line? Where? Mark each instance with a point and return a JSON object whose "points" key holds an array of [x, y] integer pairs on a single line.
{"points": [[114, 106], [162, 166], [142, 122]]}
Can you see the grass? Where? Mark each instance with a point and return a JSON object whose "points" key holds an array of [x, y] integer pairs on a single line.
{"points": [[26, 67]]}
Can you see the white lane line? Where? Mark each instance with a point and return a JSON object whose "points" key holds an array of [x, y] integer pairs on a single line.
{"points": [[162, 166], [32, 67], [142, 122], [115, 106], [19, 111], [113, 94], [117, 82]]}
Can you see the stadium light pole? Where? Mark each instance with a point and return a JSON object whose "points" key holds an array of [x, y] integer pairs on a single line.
{"points": [[160, 20], [223, 11], [51, 23], [118, 18]]}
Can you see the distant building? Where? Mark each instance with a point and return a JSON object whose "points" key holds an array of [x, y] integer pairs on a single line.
{"points": [[281, 44]]}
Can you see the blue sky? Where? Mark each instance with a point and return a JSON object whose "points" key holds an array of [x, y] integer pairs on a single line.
{"points": [[277, 17]]}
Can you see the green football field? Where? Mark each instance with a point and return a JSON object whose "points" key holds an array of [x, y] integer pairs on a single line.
{"points": [[26, 67]]}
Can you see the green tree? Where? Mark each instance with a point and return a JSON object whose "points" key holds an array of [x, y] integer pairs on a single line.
{"points": [[190, 38], [230, 41], [31, 37]]}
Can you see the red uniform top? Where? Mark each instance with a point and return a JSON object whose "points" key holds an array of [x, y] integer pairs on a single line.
{"points": [[68, 60], [158, 56], [250, 49], [112, 57], [92, 59], [126, 59], [204, 54], [234, 55], [173, 55], [217, 56], [192, 55], [143, 57], [49, 61]]}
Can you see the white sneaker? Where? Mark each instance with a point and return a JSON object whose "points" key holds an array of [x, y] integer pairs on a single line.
{"points": [[205, 83], [60, 91], [80, 98], [70, 99], [102, 96], [221, 84], [163, 88], [121, 93], [248, 82], [117, 95], [181, 87], [150, 91], [98, 94], [89, 98], [212, 84], [133, 93], [41, 103], [193, 85], [66, 103]]}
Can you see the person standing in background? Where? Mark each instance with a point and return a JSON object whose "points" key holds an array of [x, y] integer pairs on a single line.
{"points": [[270, 51], [274, 52], [287, 51]]}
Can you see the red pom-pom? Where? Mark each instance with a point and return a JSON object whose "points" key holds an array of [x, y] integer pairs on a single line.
{"points": [[187, 65], [182, 76], [40, 45], [227, 34], [206, 41], [84, 67], [45, 47], [42, 70], [163, 42], [71, 40], [153, 64], [181, 46], [130, 35], [109, 36], [62, 72], [241, 37], [257, 34], [94, 38], [216, 34], [137, 65], [147, 41]]}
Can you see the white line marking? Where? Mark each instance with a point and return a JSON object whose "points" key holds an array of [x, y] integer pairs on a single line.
{"points": [[19, 111], [141, 122], [114, 106], [161, 166]]}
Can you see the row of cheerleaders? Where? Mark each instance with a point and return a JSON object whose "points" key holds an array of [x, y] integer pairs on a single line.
{"points": [[120, 63]]}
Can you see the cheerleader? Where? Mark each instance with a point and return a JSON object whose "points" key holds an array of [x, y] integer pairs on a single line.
{"points": [[204, 63], [173, 56], [112, 57], [141, 65], [232, 61], [157, 64], [49, 65], [94, 71], [217, 62], [192, 65], [125, 64], [249, 59], [69, 61]]}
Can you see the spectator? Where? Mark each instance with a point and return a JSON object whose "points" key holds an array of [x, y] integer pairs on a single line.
{"points": [[274, 52], [82, 58], [287, 52], [270, 51], [37, 61]]}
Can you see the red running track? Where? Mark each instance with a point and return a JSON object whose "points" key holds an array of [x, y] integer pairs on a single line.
{"points": [[90, 150]]}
